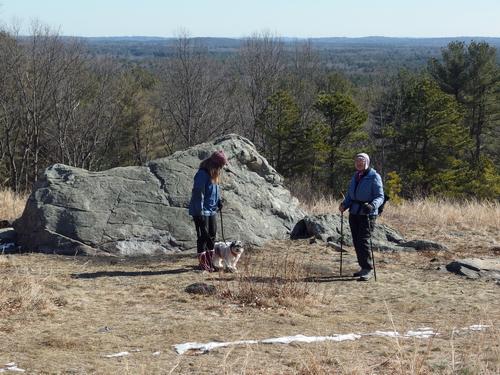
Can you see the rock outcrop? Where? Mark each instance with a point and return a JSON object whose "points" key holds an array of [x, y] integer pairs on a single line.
{"points": [[143, 210], [477, 268], [328, 227]]}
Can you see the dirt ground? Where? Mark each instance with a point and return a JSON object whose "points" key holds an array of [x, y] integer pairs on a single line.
{"points": [[64, 315]]}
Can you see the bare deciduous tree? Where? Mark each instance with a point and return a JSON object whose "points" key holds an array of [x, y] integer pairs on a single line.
{"points": [[54, 106], [12, 145], [92, 130], [194, 94], [260, 66], [304, 77]]}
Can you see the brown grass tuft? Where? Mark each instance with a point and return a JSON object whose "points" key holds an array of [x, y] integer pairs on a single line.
{"points": [[265, 281], [25, 290]]}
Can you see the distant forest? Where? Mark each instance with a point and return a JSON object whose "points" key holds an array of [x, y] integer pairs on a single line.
{"points": [[426, 110]]}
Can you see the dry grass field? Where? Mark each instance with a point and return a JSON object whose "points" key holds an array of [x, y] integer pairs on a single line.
{"points": [[65, 315]]}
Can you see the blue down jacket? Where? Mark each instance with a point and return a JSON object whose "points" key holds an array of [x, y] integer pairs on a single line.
{"points": [[205, 195], [369, 189]]}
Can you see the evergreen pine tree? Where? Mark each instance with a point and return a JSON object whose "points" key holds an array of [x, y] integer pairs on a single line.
{"points": [[344, 121]]}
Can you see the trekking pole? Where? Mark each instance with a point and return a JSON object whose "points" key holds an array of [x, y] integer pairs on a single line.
{"points": [[371, 248], [341, 239]]}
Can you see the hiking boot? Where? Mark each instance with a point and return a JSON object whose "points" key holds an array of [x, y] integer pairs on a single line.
{"points": [[367, 275], [360, 272]]}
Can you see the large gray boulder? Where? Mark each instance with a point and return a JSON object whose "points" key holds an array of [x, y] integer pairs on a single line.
{"points": [[143, 210]]}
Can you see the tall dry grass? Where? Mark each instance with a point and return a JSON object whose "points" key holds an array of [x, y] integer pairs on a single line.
{"points": [[265, 281], [430, 215], [440, 214], [11, 204]]}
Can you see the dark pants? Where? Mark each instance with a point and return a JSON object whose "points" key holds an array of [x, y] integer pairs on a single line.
{"points": [[361, 230], [206, 230]]}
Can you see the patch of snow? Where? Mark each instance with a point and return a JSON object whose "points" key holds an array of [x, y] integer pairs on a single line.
{"points": [[11, 366], [385, 334], [121, 354], [477, 327], [474, 327], [309, 339], [204, 348], [421, 334]]}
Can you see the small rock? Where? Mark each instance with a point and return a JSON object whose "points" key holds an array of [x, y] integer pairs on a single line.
{"points": [[201, 288]]}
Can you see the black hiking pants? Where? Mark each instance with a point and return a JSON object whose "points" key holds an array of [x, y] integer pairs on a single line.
{"points": [[361, 230], [206, 230]]}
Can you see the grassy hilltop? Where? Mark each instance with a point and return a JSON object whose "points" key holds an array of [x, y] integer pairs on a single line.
{"points": [[66, 314]]}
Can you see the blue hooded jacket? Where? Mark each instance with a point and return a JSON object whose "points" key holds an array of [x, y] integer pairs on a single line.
{"points": [[369, 189], [205, 195]]}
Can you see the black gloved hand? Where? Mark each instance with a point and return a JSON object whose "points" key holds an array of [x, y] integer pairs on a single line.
{"points": [[368, 208], [219, 204]]}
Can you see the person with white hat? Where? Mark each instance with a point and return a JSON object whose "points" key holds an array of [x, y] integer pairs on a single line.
{"points": [[364, 196]]}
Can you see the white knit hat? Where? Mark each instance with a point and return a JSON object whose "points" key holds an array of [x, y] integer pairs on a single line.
{"points": [[364, 156]]}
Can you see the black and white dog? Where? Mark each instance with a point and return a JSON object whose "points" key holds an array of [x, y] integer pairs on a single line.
{"points": [[227, 254]]}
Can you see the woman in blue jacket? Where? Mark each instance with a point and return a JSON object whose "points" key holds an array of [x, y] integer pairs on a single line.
{"points": [[363, 198], [205, 201]]}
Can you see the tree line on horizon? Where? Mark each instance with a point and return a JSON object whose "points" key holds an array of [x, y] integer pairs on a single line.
{"points": [[432, 130]]}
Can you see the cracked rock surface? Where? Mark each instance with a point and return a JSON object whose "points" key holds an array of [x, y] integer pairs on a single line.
{"points": [[143, 210]]}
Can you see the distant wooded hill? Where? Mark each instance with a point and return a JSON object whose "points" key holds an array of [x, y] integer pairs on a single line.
{"points": [[144, 46], [327, 41]]}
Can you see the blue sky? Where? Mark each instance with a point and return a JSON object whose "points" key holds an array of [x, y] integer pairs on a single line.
{"points": [[294, 18]]}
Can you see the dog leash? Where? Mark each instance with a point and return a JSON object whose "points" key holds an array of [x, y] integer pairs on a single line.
{"points": [[222, 226]]}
